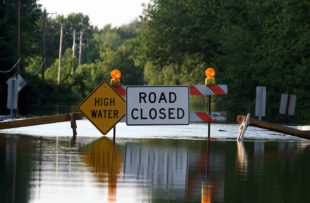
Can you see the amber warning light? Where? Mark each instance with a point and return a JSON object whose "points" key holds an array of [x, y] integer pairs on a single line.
{"points": [[116, 75], [210, 73]]}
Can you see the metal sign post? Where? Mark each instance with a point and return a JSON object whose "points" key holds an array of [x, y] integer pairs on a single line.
{"points": [[209, 124], [12, 95], [114, 134], [287, 105]]}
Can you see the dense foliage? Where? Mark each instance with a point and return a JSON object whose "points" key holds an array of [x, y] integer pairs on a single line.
{"points": [[250, 43]]}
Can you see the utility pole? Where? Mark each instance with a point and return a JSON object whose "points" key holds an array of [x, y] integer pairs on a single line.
{"points": [[43, 47], [18, 51], [18, 38], [59, 58], [80, 51], [73, 52]]}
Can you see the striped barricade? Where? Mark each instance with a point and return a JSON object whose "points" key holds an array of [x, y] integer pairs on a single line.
{"points": [[197, 117], [205, 117], [208, 90], [194, 90], [197, 90]]}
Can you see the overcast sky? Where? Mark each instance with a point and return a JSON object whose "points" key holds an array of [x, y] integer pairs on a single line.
{"points": [[100, 12]]}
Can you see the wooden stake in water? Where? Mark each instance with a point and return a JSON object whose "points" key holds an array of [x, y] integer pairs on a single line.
{"points": [[73, 125]]}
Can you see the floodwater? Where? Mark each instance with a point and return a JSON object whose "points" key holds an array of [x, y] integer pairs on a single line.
{"points": [[152, 164]]}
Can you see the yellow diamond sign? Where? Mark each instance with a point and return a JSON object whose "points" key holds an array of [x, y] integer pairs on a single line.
{"points": [[104, 107]]}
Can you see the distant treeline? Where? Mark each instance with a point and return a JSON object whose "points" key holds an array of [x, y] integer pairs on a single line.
{"points": [[248, 42]]}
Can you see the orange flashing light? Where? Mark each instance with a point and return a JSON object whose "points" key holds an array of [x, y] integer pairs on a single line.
{"points": [[116, 74], [210, 72]]}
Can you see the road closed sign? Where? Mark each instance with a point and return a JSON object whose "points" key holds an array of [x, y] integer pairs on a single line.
{"points": [[157, 105]]}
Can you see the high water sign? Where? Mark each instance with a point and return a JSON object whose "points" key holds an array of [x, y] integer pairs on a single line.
{"points": [[104, 107], [157, 105]]}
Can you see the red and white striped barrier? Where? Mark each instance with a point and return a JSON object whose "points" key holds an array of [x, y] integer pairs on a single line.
{"points": [[197, 90], [194, 90], [205, 117], [208, 90], [202, 117]]}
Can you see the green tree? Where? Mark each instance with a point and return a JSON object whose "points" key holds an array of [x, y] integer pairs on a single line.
{"points": [[51, 73], [29, 39], [248, 42], [112, 36], [123, 59], [175, 30]]}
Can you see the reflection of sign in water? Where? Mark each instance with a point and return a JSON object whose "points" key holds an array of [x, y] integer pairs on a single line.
{"points": [[172, 169], [165, 166], [106, 161], [103, 156], [104, 107], [157, 105]]}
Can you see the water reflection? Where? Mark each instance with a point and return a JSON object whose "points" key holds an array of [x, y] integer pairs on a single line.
{"points": [[10, 161], [205, 193], [36, 169], [106, 162], [259, 151], [242, 159], [14, 161], [164, 171], [163, 166]]}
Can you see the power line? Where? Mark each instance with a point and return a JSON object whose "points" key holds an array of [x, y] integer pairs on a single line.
{"points": [[7, 71], [40, 68]]}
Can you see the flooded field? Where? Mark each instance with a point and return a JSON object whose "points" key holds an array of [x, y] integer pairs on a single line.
{"points": [[152, 164]]}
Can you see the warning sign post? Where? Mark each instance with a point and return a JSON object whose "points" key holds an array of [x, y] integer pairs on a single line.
{"points": [[104, 107]]}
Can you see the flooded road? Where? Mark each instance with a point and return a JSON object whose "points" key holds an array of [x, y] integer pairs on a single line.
{"points": [[50, 168]]}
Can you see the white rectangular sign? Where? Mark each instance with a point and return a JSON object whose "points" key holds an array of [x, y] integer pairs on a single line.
{"points": [[14, 86], [157, 105], [260, 107], [12, 93], [288, 105]]}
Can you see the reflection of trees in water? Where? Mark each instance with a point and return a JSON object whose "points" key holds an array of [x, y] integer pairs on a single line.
{"points": [[16, 160], [167, 170]]}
